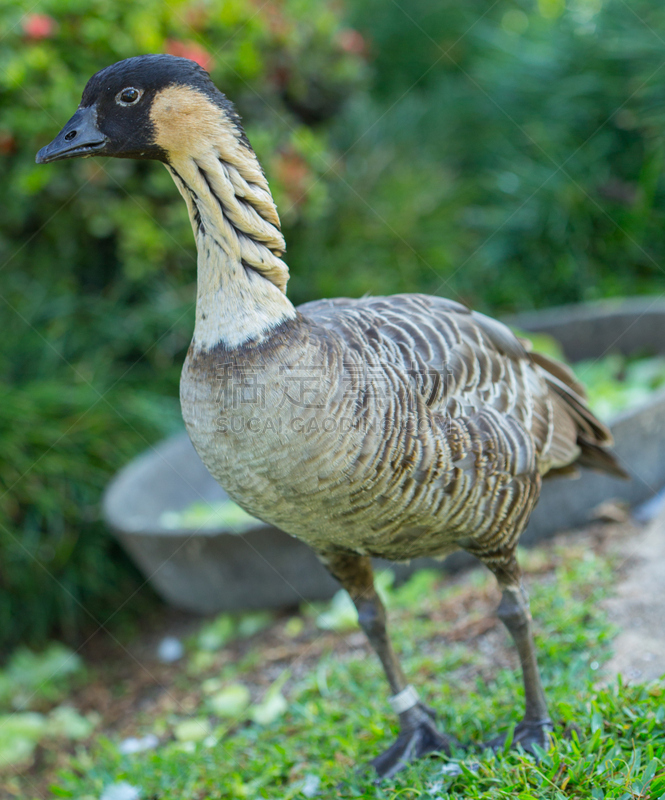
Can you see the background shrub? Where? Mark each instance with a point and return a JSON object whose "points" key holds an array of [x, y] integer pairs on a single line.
{"points": [[508, 155]]}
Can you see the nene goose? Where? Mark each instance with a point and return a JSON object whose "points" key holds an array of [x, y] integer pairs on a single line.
{"points": [[399, 427]]}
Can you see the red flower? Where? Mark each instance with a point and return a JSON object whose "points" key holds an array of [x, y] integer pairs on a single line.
{"points": [[190, 50], [196, 16], [277, 24], [352, 41], [38, 26], [293, 173], [7, 143]]}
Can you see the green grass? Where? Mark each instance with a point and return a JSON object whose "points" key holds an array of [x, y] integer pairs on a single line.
{"points": [[609, 742]]}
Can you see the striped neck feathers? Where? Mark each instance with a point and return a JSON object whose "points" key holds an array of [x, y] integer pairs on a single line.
{"points": [[241, 284]]}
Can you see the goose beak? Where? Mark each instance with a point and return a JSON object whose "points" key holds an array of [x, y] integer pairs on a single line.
{"points": [[80, 137]]}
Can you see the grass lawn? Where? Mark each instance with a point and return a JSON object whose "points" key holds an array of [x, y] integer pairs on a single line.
{"points": [[276, 707]]}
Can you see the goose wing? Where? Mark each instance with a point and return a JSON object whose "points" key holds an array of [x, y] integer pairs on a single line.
{"points": [[469, 367]]}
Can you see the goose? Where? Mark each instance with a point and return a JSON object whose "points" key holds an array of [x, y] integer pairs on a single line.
{"points": [[397, 427]]}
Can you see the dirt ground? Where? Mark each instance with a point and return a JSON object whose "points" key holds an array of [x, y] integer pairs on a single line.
{"points": [[638, 607]]}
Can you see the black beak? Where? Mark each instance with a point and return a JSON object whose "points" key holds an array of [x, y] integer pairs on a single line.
{"points": [[79, 137]]}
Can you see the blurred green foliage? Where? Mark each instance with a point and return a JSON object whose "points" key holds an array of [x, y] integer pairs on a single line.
{"points": [[33, 681], [508, 155]]}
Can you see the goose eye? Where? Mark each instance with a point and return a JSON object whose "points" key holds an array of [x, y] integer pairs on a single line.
{"points": [[128, 96]]}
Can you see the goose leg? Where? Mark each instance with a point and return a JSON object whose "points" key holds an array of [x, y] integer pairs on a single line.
{"points": [[418, 733], [514, 612]]}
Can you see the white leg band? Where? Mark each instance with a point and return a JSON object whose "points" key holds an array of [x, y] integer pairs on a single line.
{"points": [[404, 700]]}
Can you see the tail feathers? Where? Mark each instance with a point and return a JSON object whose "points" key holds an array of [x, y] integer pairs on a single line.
{"points": [[598, 458], [589, 427], [587, 441], [561, 371]]}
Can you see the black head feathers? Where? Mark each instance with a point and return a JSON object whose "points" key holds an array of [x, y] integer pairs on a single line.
{"points": [[114, 117]]}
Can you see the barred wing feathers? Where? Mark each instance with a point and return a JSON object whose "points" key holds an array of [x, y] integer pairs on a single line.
{"points": [[469, 367]]}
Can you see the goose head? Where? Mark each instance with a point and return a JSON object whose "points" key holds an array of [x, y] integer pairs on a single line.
{"points": [[148, 107]]}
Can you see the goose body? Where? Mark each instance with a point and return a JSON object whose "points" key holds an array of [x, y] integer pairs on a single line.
{"points": [[399, 426]]}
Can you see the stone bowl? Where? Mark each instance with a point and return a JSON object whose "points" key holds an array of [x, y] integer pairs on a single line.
{"points": [[210, 570]]}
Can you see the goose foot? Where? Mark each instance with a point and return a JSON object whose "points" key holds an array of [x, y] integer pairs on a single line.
{"points": [[416, 739], [526, 734]]}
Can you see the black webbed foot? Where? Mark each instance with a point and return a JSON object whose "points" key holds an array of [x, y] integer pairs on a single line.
{"points": [[526, 734], [418, 737]]}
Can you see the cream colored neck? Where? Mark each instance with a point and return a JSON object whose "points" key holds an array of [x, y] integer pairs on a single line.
{"points": [[241, 279]]}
